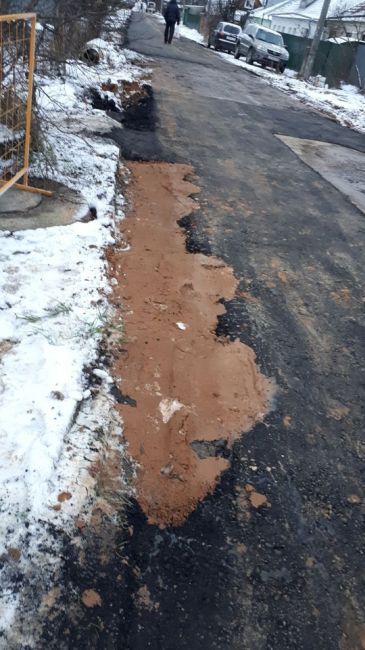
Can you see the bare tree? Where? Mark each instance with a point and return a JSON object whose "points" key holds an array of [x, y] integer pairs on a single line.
{"points": [[228, 8], [66, 28], [220, 10]]}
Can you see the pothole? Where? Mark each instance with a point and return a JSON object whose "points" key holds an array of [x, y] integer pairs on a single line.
{"points": [[139, 112]]}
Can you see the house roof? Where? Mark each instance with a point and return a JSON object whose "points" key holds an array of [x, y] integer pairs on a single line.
{"points": [[338, 40], [293, 8], [355, 11], [266, 12]]}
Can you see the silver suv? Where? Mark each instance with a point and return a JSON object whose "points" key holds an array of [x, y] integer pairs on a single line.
{"points": [[262, 45]]}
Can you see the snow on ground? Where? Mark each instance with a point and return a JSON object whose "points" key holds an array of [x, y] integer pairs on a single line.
{"points": [[182, 30], [53, 312], [346, 105], [191, 34], [116, 66]]}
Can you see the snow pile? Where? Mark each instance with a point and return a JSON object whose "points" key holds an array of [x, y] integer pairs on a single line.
{"points": [[51, 319], [183, 31], [115, 67], [191, 34], [53, 313]]}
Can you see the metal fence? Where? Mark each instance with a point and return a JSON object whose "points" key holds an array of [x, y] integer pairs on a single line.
{"points": [[334, 62], [17, 53]]}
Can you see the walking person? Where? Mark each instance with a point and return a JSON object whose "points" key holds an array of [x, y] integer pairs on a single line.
{"points": [[171, 16]]}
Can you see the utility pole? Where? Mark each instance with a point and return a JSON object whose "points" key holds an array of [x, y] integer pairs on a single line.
{"points": [[308, 62], [263, 9]]}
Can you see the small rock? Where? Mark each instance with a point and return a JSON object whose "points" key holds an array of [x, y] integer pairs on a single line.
{"points": [[91, 598], [56, 394], [14, 553], [257, 499], [241, 549], [49, 599], [354, 498], [64, 496], [166, 470]]}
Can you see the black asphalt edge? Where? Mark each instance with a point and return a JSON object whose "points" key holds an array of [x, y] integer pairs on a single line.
{"points": [[194, 557]]}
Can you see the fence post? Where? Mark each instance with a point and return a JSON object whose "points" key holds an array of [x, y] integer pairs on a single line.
{"points": [[16, 113], [28, 120]]}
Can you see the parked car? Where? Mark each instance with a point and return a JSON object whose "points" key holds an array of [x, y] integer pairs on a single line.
{"points": [[151, 7], [224, 37], [262, 45]]}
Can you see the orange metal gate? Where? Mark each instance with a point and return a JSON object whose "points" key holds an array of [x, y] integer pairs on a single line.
{"points": [[17, 55]]}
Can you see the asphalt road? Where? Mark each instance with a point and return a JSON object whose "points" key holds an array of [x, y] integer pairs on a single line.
{"points": [[291, 575]]}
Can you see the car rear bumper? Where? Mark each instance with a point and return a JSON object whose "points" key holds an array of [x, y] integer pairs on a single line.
{"points": [[225, 45]]}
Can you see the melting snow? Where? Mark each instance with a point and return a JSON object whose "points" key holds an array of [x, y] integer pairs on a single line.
{"points": [[181, 326], [168, 407], [53, 310]]}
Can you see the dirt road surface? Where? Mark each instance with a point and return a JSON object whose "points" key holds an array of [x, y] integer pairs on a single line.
{"points": [[246, 533]]}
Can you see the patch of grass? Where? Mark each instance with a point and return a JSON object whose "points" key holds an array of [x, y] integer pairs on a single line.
{"points": [[117, 499], [57, 309], [47, 335], [54, 310], [30, 318], [119, 330], [103, 325]]}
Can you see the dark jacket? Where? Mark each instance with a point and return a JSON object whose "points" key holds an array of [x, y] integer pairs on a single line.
{"points": [[172, 13]]}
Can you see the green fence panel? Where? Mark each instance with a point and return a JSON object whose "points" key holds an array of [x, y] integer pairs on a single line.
{"points": [[296, 48], [334, 62], [339, 63], [191, 20]]}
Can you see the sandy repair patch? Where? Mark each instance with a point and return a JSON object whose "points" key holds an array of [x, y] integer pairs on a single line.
{"points": [[188, 384]]}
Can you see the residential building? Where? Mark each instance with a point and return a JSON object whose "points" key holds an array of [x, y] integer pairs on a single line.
{"points": [[299, 17], [263, 14], [348, 23]]}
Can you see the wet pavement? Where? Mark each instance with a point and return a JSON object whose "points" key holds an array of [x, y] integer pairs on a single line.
{"points": [[235, 576], [22, 210]]}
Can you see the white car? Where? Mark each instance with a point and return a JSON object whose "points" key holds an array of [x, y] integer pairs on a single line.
{"points": [[263, 45]]}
